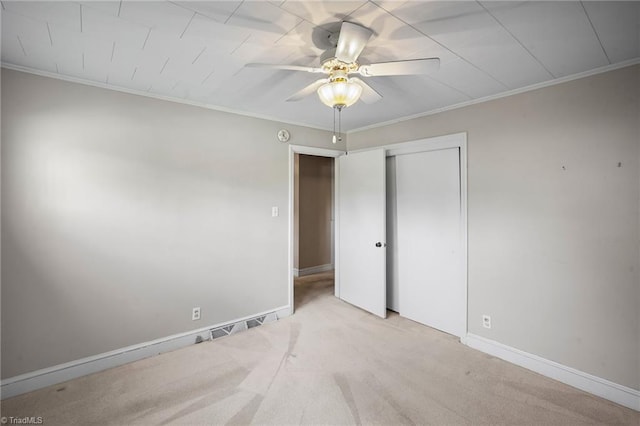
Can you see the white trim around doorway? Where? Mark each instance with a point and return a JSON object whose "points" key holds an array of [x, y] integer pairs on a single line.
{"points": [[306, 150]]}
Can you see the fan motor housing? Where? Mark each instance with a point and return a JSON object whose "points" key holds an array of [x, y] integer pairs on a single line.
{"points": [[327, 56], [332, 66]]}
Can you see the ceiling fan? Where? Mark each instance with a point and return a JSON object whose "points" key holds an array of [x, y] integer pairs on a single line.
{"points": [[339, 89]]}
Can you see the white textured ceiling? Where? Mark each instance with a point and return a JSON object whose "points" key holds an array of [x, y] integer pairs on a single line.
{"points": [[196, 51]]}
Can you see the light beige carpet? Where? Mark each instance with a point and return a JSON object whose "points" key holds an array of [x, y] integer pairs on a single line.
{"points": [[330, 363]]}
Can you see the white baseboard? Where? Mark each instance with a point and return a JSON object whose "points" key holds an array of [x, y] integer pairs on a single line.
{"points": [[284, 312], [72, 370], [312, 270], [603, 388]]}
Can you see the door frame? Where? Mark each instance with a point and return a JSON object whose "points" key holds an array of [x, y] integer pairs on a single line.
{"points": [[455, 140], [318, 152]]}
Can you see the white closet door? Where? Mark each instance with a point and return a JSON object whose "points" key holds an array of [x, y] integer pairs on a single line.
{"points": [[393, 299], [361, 257], [431, 285]]}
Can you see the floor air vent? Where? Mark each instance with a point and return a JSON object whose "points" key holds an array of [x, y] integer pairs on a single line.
{"points": [[242, 325]]}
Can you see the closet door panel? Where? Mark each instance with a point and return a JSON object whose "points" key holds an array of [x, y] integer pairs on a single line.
{"points": [[431, 285]]}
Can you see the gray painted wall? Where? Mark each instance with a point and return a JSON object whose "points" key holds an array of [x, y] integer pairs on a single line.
{"points": [[553, 221], [120, 213]]}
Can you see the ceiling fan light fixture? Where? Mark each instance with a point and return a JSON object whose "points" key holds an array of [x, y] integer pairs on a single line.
{"points": [[339, 93]]}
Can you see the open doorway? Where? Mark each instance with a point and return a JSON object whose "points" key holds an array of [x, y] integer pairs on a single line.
{"points": [[313, 227]]}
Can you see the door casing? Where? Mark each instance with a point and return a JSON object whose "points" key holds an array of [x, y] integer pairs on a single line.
{"points": [[318, 152]]}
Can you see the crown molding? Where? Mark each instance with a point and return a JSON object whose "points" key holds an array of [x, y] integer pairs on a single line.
{"points": [[529, 88], [525, 89], [154, 96]]}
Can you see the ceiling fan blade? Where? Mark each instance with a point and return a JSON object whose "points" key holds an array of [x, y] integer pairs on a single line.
{"points": [[285, 67], [369, 95], [307, 90], [409, 67], [352, 40]]}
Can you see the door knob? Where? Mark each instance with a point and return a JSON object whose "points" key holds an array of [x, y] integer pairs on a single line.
{"points": [[378, 244]]}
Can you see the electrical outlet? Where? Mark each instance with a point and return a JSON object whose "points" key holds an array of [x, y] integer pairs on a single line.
{"points": [[195, 314], [274, 212], [486, 321]]}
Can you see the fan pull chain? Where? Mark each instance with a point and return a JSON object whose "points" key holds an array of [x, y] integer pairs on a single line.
{"points": [[340, 124], [334, 140]]}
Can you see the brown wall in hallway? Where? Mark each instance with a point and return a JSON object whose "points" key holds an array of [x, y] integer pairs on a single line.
{"points": [[315, 211]]}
